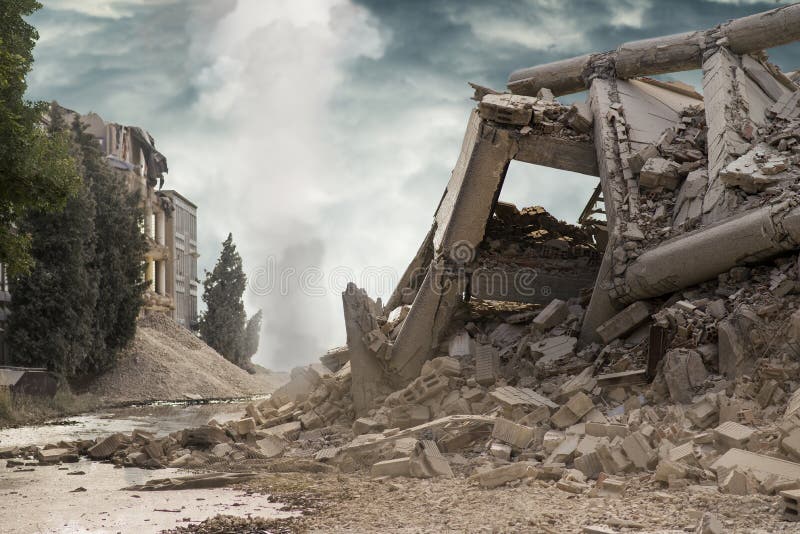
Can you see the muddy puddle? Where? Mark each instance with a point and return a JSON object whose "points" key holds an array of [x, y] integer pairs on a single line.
{"points": [[88, 496]]}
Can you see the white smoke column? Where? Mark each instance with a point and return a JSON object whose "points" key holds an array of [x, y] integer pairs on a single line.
{"points": [[260, 148]]}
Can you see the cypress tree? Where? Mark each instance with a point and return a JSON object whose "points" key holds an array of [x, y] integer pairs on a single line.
{"points": [[222, 326], [252, 334], [52, 308]]}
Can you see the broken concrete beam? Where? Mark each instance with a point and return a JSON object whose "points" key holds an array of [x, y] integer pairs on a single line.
{"points": [[623, 322], [365, 425], [502, 475], [288, 431], [552, 314], [661, 55], [760, 465], [703, 254], [659, 173], [518, 436], [558, 153]]}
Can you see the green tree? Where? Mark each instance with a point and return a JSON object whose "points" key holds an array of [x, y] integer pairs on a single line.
{"points": [[53, 304], [37, 173], [252, 334], [222, 326], [120, 245]]}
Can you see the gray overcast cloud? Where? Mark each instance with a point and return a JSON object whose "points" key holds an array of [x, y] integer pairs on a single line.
{"points": [[322, 132]]}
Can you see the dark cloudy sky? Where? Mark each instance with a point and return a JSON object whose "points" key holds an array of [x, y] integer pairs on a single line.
{"points": [[322, 132]]}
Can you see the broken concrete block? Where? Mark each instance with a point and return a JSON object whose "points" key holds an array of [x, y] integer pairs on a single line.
{"points": [[106, 447], [756, 170], [624, 321], [406, 416], [443, 365], [311, 421], [611, 487], [737, 482], [552, 439], [683, 453], [704, 413], [791, 505], [511, 397], [551, 354], [427, 461], [365, 425], [54, 456], [288, 431], [732, 349], [689, 202], [552, 315], [245, 426], [791, 444], [637, 160], [612, 458], [500, 451], [609, 430], [589, 464], [461, 345], [580, 118], [764, 396], [399, 467], [639, 451], [733, 435], [487, 361], [572, 412], [659, 173], [668, 470], [564, 451], [269, 446], [518, 436], [497, 477], [507, 108], [424, 387], [683, 371]]}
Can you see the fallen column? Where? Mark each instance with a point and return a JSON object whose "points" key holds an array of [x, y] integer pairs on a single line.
{"points": [[612, 182], [672, 53], [460, 223], [726, 116], [701, 255]]}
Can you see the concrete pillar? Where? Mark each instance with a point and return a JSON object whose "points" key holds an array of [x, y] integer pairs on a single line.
{"points": [[161, 277], [612, 181], [150, 274], [149, 231], [160, 227], [460, 223]]}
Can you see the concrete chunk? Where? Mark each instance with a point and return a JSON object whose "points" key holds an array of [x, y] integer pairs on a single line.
{"points": [[399, 467], [106, 447], [623, 322], [502, 475], [487, 361], [659, 173], [518, 436], [733, 435], [552, 314]]}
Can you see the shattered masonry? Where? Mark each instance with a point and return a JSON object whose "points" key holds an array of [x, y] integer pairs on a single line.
{"points": [[668, 342]]}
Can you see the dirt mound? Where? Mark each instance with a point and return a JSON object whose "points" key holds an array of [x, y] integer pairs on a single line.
{"points": [[167, 362]]}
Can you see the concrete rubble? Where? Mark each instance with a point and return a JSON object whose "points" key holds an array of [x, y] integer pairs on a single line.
{"points": [[660, 342]]}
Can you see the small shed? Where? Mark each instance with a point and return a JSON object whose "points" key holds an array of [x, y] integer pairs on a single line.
{"points": [[32, 381]]}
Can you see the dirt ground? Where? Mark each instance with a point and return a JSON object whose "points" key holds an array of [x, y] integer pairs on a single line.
{"points": [[167, 362], [356, 503]]}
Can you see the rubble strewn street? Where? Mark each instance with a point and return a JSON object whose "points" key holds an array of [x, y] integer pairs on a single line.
{"points": [[638, 371]]}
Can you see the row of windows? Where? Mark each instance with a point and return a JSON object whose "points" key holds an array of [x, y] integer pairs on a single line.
{"points": [[185, 265], [186, 310], [185, 223]]}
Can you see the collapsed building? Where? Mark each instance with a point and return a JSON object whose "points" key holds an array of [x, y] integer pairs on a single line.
{"points": [[659, 335]]}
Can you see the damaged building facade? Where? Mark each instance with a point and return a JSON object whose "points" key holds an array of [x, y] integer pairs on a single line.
{"points": [[170, 220], [170, 223]]}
